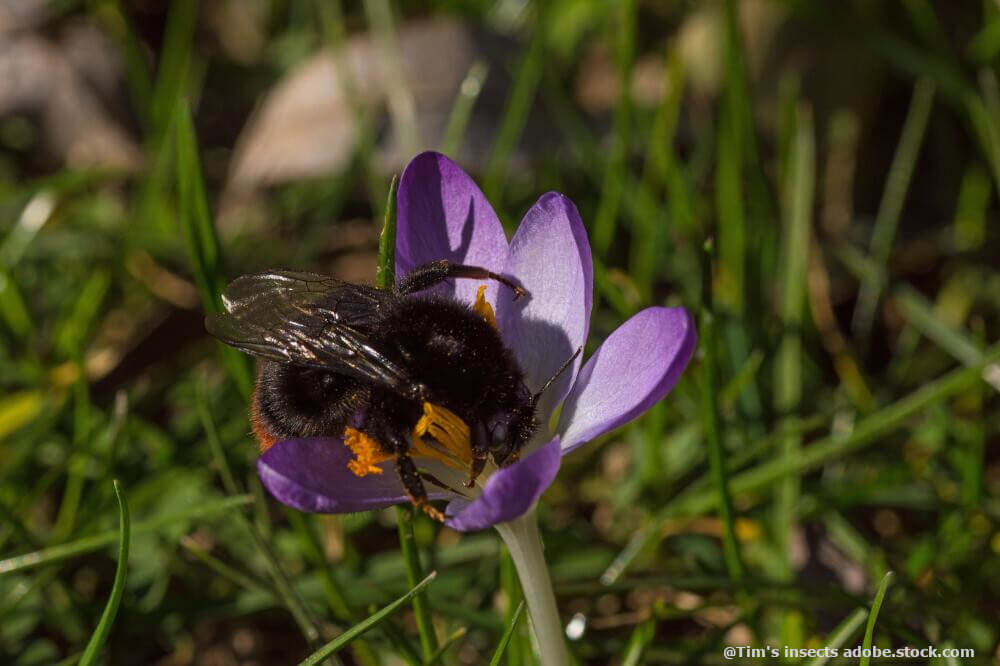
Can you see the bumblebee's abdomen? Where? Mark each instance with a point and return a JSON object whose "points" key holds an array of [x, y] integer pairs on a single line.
{"points": [[454, 352], [292, 401]]}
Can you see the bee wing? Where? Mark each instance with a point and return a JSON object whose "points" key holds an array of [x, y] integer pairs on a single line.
{"points": [[306, 319]]}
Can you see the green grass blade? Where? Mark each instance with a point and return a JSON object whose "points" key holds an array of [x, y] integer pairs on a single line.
{"points": [[712, 427], [896, 186], [652, 220], [71, 337], [313, 551], [925, 23], [986, 130], [400, 643], [519, 650], [175, 63], [385, 274], [53, 554], [985, 45], [35, 215], [100, 635], [507, 634], [13, 309], [421, 611], [456, 636], [135, 69], [196, 219], [731, 236], [640, 639], [202, 242], [234, 575], [332, 590], [212, 436], [853, 543], [921, 315], [985, 107], [971, 213], [866, 432], [73, 491], [743, 377], [357, 630], [515, 113], [735, 147], [283, 588], [716, 452], [333, 30], [402, 108], [606, 219], [461, 110], [840, 635], [873, 616], [798, 191]]}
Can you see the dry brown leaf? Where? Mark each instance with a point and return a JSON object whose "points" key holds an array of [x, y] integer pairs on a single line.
{"points": [[41, 82], [307, 125]]}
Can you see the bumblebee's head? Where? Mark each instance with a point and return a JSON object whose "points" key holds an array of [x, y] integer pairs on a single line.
{"points": [[510, 431]]}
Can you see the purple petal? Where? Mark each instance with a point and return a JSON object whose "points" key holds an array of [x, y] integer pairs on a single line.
{"points": [[550, 256], [510, 492], [633, 369], [311, 474], [442, 214]]}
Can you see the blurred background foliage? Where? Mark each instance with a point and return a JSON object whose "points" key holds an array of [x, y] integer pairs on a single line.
{"points": [[818, 180]]}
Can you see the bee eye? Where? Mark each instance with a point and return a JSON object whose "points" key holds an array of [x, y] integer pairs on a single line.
{"points": [[499, 433]]}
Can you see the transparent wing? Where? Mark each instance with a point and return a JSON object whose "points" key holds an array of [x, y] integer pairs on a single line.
{"points": [[307, 319]]}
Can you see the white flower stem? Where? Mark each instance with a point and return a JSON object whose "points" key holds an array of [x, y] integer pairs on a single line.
{"points": [[525, 545]]}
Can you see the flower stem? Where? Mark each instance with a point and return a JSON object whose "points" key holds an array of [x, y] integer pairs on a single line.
{"points": [[414, 572], [525, 545]]}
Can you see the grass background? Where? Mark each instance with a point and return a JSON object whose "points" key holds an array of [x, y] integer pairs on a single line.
{"points": [[816, 180]]}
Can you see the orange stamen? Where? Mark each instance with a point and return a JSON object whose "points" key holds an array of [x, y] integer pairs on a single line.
{"points": [[483, 308]]}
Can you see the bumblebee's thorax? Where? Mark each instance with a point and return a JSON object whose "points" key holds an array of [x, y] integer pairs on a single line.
{"points": [[456, 353]]}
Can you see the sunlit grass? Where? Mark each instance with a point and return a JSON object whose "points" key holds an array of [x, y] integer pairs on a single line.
{"points": [[835, 424]]}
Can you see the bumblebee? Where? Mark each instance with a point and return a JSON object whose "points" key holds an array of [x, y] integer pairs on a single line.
{"points": [[394, 373]]}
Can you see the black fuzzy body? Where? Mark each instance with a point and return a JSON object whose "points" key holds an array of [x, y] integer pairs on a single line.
{"points": [[335, 354], [457, 360]]}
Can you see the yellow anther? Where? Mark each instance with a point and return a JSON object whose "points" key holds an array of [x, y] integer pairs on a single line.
{"points": [[447, 441], [367, 453], [483, 308], [446, 430]]}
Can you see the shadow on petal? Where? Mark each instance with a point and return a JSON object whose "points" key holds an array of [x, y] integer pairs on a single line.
{"points": [[442, 214], [550, 256]]}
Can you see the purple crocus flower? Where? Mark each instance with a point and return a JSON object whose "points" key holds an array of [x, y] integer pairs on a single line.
{"points": [[442, 214]]}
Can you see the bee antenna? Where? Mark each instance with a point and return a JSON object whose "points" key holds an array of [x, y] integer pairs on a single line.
{"points": [[553, 378]]}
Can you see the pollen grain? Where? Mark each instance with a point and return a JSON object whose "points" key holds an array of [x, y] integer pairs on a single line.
{"points": [[367, 453]]}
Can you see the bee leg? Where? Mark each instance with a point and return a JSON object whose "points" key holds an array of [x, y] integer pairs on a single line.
{"points": [[414, 486], [475, 469], [434, 481], [430, 274], [480, 451]]}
